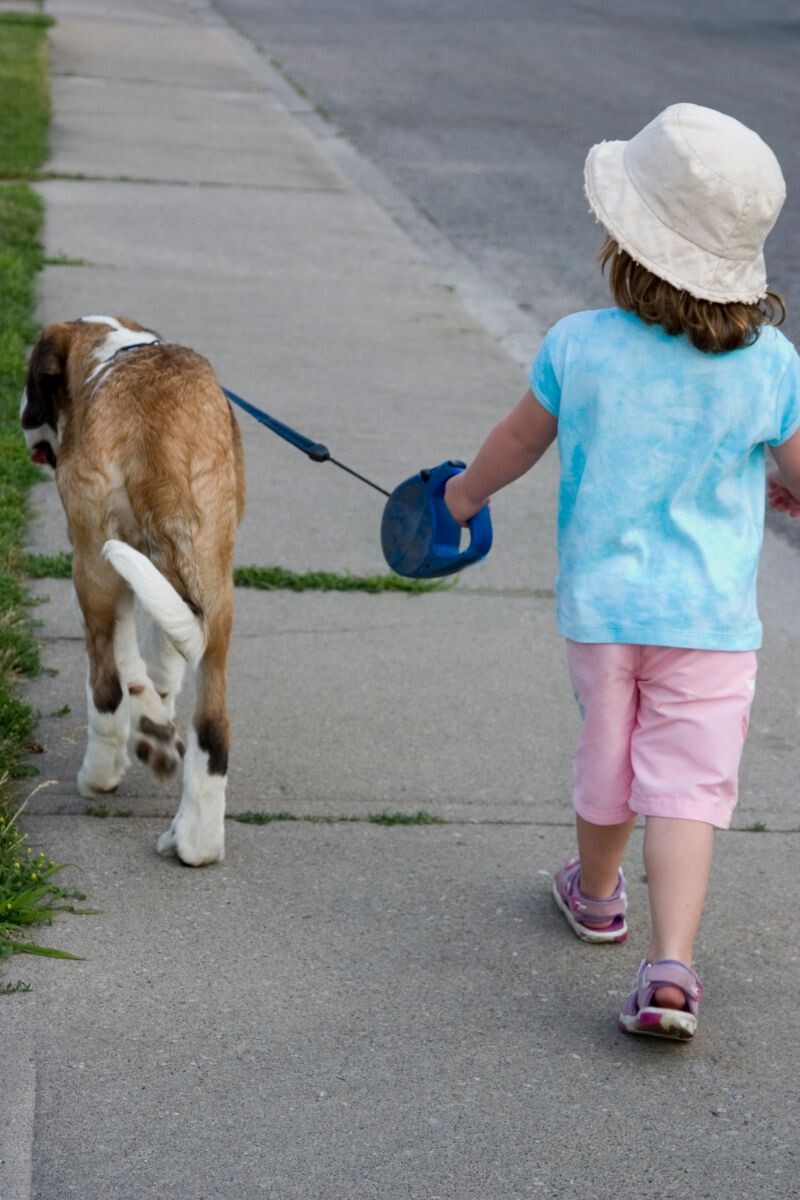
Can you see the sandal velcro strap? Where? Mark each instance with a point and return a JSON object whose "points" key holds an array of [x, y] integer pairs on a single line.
{"points": [[591, 908], [591, 918], [669, 972]]}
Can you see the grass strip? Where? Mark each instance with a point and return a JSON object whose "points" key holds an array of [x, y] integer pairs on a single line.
{"points": [[401, 818], [24, 93], [48, 566], [386, 818], [20, 256], [59, 566], [274, 578], [29, 894]]}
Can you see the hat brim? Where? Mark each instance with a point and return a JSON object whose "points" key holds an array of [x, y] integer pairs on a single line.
{"points": [[619, 207]]}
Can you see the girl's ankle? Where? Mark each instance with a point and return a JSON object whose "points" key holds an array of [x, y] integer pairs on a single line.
{"points": [[600, 889], [605, 893], [678, 954]]}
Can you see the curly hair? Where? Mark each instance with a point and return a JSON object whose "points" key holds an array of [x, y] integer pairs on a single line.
{"points": [[709, 325]]}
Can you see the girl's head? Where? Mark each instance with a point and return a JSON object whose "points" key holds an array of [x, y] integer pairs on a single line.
{"points": [[687, 204], [708, 324]]}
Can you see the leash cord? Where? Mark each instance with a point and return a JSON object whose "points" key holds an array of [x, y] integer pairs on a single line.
{"points": [[363, 478], [315, 450]]}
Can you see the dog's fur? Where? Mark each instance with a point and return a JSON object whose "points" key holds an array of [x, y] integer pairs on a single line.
{"points": [[148, 462]]}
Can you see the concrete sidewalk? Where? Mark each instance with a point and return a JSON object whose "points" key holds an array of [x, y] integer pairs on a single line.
{"points": [[342, 1010]]}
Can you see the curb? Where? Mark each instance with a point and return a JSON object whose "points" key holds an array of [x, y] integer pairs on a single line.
{"points": [[518, 332]]}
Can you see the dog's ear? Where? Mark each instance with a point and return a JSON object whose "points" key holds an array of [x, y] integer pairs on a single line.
{"points": [[45, 386], [51, 352], [45, 393]]}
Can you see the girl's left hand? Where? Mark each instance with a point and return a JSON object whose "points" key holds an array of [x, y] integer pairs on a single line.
{"points": [[780, 497], [460, 507]]}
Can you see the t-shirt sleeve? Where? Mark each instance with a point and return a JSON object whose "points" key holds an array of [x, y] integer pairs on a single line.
{"points": [[787, 414], [544, 384]]}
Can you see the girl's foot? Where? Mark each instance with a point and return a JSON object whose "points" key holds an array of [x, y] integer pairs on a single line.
{"points": [[669, 997], [645, 1013], [591, 918]]}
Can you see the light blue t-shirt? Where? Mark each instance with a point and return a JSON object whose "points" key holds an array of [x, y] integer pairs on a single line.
{"points": [[661, 503]]}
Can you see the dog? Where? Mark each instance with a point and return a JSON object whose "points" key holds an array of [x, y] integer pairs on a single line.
{"points": [[148, 462]]}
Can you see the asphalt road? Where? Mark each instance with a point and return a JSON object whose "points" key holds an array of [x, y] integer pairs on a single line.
{"points": [[482, 111]]}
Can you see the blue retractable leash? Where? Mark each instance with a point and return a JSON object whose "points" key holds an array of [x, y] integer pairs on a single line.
{"points": [[419, 538]]}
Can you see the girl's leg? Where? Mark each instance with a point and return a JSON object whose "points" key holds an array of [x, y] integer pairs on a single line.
{"points": [[601, 849], [677, 859], [693, 717], [604, 681]]}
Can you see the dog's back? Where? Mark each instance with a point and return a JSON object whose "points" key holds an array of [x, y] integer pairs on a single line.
{"points": [[153, 458]]}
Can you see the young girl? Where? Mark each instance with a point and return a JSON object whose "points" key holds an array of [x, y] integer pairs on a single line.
{"points": [[662, 407]]}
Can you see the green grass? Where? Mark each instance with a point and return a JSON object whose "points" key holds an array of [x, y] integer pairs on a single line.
{"points": [[29, 894], [273, 578], [24, 94], [386, 818], [48, 566], [59, 566], [20, 256], [101, 811], [64, 260]]}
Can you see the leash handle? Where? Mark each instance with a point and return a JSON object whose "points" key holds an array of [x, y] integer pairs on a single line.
{"points": [[315, 450]]}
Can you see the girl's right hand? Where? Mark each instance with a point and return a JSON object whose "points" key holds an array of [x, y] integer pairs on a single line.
{"points": [[780, 497]]}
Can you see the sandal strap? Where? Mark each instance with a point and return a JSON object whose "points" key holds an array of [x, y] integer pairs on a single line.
{"points": [[669, 971], [590, 907], [594, 907]]}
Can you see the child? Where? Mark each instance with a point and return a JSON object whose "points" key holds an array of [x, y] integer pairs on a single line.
{"points": [[662, 407]]}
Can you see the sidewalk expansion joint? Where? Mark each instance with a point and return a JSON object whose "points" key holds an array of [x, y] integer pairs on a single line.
{"points": [[511, 593], [177, 84], [80, 177], [420, 818]]}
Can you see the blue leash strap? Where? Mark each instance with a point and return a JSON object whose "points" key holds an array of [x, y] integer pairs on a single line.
{"points": [[315, 450]]}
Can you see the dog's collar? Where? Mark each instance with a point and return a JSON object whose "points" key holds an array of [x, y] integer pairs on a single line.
{"points": [[98, 373], [127, 349]]}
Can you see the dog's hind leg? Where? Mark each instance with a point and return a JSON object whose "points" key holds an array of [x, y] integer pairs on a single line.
{"points": [[157, 742], [166, 666], [197, 832], [98, 590]]}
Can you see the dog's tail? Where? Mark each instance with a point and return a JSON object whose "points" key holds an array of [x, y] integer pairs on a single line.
{"points": [[159, 599]]}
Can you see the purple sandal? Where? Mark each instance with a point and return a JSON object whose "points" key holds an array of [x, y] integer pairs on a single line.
{"points": [[577, 907], [640, 1015]]}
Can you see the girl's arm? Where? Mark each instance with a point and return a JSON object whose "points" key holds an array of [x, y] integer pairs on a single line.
{"points": [[783, 485], [511, 449]]}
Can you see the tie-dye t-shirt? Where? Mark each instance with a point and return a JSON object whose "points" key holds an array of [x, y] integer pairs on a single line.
{"points": [[661, 502]]}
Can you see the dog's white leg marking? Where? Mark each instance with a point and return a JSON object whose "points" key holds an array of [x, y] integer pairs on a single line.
{"points": [[166, 665], [150, 718], [105, 760], [197, 832]]}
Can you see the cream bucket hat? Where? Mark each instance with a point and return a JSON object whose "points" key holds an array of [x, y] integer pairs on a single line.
{"points": [[691, 197]]}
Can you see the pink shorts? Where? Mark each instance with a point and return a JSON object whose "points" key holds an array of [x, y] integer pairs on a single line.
{"points": [[663, 730]]}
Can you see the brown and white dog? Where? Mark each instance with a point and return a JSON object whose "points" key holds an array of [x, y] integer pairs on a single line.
{"points": [[148, 462]]}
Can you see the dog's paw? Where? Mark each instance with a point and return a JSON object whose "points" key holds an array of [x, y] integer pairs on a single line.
{"points": [[158, 745], [195, 843], [92, 789], [102, 776]]}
